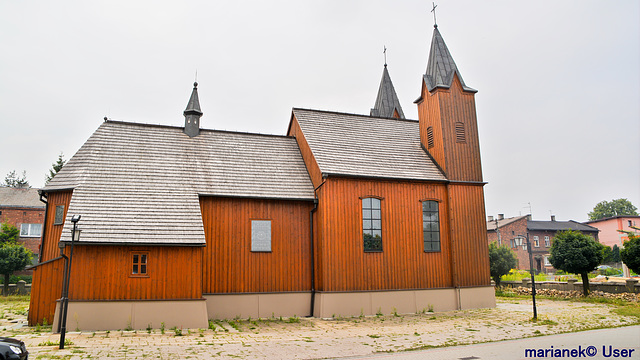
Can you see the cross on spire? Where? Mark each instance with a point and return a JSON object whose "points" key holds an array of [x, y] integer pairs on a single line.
{"points": [[385, 55], [433, 10]]}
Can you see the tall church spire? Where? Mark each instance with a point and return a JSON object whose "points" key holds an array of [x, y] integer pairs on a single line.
{"points": [[387, 103], [192, 114], [447, 115], [441, 67]]}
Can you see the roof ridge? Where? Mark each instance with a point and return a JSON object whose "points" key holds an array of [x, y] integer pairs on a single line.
{"points": [[180, 128], [353, 114]]}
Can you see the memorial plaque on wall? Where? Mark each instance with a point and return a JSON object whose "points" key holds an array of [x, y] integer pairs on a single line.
{"points": [[261, 235]]}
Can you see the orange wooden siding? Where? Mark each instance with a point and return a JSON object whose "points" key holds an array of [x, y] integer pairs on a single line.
{"points": [[402, 264], [312, 166], [49, 247], [468, 228], [46, 288], [104, 273], [442, 109], [229, 264]]}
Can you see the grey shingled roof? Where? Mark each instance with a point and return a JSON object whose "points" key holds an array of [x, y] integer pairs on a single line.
{"points": [[387, 100], [441, 67], [359, 145], [140, 184], [559, 225], [491, 225], [12, 197]]}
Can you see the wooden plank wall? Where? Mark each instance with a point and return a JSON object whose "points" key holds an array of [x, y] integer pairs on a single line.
{"points": [[312, 166], [46, 288], [469, 229], [49, 247], [103, 273], [442, 109], [429, 115], [402, 264], [229, 264]]}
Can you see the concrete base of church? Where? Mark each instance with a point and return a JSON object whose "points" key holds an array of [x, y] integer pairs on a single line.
{"points": [[133, 314], [331, 304], [258, 305]]}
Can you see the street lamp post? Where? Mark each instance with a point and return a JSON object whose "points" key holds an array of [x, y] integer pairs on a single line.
{"points": [[64, 304], [533, 280]]}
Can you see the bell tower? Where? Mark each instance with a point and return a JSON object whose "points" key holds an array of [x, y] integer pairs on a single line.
{"points": [[192, 114], [447, 115]]}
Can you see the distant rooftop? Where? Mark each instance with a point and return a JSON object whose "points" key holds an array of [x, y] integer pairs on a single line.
{"points": [[12, 197]]}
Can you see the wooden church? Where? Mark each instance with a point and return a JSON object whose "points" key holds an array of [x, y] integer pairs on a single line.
{"points": [[345, 215]]}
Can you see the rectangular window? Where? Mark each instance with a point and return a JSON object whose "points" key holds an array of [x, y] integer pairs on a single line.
{"points": [[372, 224], [59, 218], [139, 263], [536, 241], [431, 225], [546, 261], [261, 235], [30, 230], [547, 242]]}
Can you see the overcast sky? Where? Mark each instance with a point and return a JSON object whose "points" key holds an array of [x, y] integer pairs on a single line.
{"points": [[559, 81]]}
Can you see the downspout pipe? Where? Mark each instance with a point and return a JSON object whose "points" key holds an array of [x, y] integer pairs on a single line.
{"points": [[44, 226], [313, 259]]}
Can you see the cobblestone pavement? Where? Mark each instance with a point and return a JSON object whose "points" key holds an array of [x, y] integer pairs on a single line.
{"points": [[316, 338]]}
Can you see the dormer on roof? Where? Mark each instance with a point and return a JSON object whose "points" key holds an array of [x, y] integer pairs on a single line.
{"points": [[441, 67], [387, 103], [192, 114]]}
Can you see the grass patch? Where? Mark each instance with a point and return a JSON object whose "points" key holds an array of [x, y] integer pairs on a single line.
{"points": [[628, 310], [55, 343]]}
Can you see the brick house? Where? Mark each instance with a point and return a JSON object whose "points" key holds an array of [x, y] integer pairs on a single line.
{"points": [[512, 231], [23, 209]]}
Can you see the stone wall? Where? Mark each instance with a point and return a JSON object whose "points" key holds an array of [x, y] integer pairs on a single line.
{"points": [[631, 285], [21, 288]]}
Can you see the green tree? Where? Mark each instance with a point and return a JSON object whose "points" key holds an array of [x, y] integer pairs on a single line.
{"points": [[55, 167], [12, 180], [617, 207], [615, 253], [501, 260], [607, 254], [8, 233], [13, 257], [630, 254], [575, 252]]}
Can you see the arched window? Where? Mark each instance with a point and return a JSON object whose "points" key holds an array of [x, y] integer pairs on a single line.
{"points": [[431, 225], [371, 224]]}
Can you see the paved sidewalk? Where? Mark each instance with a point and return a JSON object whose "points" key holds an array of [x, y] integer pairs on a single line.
{"points": [[316, 338]]}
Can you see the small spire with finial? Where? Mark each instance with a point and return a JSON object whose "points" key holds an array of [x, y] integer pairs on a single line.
{"points": [[433, 10], [192, 113], [385, 55]]}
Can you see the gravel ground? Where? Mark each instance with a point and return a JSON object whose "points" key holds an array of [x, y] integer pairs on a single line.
{"points": [[316, 338]]}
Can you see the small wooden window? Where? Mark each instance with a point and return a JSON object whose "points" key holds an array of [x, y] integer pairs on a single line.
{"points": [[430, 142], [372, 224], [536, 241], [139, 263], [59, 218], [431, 225], [460, 136]]}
